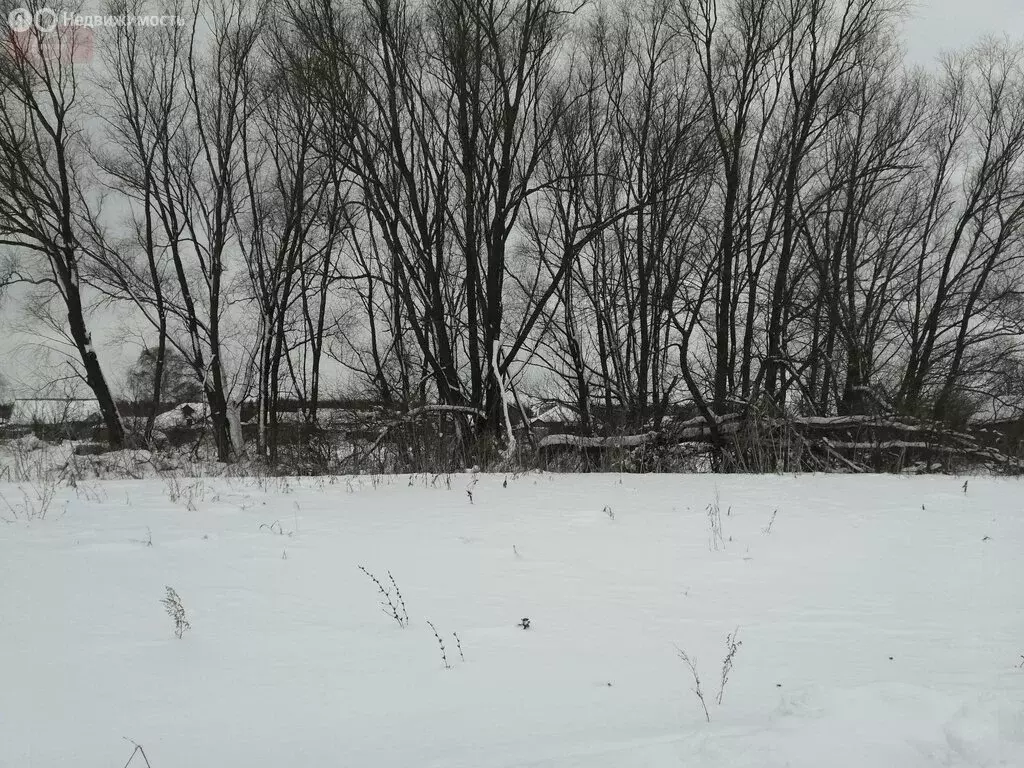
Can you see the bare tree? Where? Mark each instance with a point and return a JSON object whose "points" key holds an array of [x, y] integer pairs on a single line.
{"points": [[860, 224], [970, 239], [446, 111], [635, 172], [142, 72], [44, 209], [738, 48], [182, 101], [293, 227]]}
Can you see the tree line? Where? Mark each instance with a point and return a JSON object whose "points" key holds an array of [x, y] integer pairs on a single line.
{"points": [[739, 204]]}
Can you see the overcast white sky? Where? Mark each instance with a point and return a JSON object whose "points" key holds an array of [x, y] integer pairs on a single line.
{"points": [[934, 26], [939, 25]]}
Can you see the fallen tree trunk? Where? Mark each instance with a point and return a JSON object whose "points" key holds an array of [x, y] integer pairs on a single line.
{"points": [[602, 443]]}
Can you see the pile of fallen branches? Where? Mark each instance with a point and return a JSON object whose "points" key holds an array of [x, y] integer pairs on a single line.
{"points": [[430, 438], [759, 443]]}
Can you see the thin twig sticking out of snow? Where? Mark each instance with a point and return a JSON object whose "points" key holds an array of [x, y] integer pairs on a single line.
{"points": [[692, 664], [732, 645], [388, 604], [174, 608], [440, 642], [398, 594], [714, 511], [137, 751]]}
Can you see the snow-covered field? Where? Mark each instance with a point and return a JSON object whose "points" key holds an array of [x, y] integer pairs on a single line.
{"points": [[881, 622]]}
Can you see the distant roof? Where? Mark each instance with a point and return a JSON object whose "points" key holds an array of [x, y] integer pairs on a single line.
{"points": [[182, 415], [558, 414], [998, 411], [53, 410]]}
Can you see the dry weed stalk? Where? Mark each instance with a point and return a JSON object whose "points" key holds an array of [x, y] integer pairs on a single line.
{"points": [[393, 606], [440, 642], [692, 664], [172, 603]]}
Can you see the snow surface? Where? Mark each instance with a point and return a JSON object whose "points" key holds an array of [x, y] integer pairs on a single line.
{"points": [[881, 620]]}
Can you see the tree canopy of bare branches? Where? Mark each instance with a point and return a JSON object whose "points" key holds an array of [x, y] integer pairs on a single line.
{"points": [[730, 205]]}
